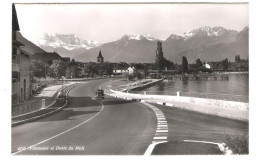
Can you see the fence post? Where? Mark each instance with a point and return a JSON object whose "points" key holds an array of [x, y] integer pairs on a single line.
{"points": [[179, 93], [144, 92], [43, 104]]}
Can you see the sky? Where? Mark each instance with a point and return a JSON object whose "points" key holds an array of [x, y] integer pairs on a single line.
{"points": [[109, 22]]}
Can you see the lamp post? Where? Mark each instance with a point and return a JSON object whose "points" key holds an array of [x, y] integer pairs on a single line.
{"points": [[62, 78]]}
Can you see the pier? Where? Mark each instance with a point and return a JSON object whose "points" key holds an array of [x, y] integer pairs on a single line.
{"points": [[204, 77]]}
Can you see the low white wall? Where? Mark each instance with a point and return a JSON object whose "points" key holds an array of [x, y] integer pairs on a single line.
{"points": [[202, 101]]}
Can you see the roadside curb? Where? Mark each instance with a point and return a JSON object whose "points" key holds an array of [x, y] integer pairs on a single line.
{"points": [[46, 114]]}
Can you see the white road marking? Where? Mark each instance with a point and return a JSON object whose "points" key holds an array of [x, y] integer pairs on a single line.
{"points": [[162, 125], [62, 132], [222, 146], [160, 138], [161, 131], [161, 118], [150, 148], [162, 121], [162, 128]]}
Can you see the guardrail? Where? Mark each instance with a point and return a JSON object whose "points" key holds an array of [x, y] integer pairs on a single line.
{"points": [[226, 97]]}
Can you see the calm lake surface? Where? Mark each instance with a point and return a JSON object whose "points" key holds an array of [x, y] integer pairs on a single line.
{"points": [[238, 84]]}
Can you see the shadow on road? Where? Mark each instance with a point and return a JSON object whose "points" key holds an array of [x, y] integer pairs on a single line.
{"points": [[116, 102], [77, 102], [186, 148], [65, 115]]}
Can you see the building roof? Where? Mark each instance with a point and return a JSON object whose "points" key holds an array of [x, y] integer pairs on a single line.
{"points": [[15, 23]]}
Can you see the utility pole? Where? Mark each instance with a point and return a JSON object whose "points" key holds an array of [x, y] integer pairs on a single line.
{"points": [[45, 73], [62, 88]]}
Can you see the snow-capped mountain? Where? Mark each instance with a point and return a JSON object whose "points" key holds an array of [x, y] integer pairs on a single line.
{"points": [[138, 37], [205, 31], [206, 43], [66, 45], [67, 41]]}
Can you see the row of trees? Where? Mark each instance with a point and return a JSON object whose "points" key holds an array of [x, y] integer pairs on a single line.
{"points": [[41, 69], [99, 69]]}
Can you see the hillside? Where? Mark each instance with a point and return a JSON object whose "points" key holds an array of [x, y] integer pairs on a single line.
{"points": [[29, 47], [206, 43]]}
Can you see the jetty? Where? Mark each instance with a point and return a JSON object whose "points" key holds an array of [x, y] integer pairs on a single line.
{"points": [[203, 77]]}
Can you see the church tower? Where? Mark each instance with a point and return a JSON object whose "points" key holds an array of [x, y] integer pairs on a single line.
{"points": [[100, 58]]}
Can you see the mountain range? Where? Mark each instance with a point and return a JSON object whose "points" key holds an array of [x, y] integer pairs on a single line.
{"points": [[206, 43], [67, 45]]}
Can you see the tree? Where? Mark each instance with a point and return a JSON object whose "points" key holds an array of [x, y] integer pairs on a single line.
{"points": [[138, 75], [91, 69], [237, 58], [225, 64], [39, 68], [57, 69], [108, 68], [199, 63], [168, 63], [185, 68]]}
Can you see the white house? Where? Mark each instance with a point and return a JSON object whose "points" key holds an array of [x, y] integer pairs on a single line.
{"points": [[131, 70]]}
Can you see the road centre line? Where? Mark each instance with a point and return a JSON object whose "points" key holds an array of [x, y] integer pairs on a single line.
{"points": [[62, 132]]}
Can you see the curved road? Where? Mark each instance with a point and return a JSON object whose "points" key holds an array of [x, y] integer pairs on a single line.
{"points": [[119, 127], [88, 126], [190, 132]]}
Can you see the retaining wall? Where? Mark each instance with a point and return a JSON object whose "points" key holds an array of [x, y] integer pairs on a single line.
{"points": [[201, 101]]}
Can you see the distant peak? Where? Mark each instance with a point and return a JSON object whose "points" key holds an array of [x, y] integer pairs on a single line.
{"points": [[138, 37], [174, 37], [67, 41], [206, 31], [134, 37]]}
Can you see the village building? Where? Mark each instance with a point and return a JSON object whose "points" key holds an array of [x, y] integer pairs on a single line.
{"points": [[131, 70], [73, 69], [21, 79]]}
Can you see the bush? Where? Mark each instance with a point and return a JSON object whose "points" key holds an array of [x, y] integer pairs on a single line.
{"points": [[237, 143]]}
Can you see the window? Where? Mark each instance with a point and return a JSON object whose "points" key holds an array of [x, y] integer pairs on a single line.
{"points": [[15, 77]]}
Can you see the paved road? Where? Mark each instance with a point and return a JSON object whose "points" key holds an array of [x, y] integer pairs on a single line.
{"points": [[118, 127], [188, 125], [88, 126]]}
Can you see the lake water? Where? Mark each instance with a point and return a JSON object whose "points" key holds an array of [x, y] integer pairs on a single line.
{"points": [[238, 84]]}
